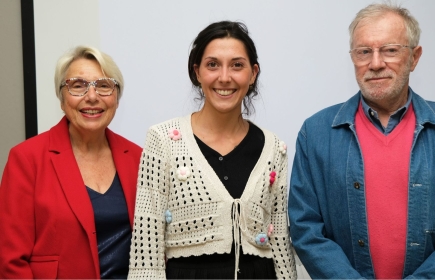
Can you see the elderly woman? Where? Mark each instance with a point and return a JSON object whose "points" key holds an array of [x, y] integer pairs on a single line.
{"points": [[212, 188], [67, 195]]}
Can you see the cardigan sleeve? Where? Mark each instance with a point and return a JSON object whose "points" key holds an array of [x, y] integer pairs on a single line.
{"points": [[147, 259], [17, 217], [283, 257]]}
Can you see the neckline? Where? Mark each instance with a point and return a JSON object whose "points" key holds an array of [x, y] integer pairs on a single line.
{"points": [[386, 139], [256, 173], [108, 190], [235, 150]]}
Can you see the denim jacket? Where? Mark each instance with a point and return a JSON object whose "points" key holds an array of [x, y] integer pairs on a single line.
{"points": [[327, 206]]}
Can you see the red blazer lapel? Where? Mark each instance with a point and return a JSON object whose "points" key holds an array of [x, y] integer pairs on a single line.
{"points": [[126, 163], [72, 184]]}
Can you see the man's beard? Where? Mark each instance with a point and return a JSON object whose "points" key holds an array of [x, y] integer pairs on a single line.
{"points": [[378, 91]]}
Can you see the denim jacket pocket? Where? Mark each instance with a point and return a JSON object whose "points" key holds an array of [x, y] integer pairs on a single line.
{"points": [[430, 235], [44, 267]]}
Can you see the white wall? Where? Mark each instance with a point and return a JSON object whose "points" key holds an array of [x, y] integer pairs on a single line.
{"points": [[60, 25], [302, 47], [12, 123]]}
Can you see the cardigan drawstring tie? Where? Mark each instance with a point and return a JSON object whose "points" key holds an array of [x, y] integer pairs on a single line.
{"points": [[237, 227]]}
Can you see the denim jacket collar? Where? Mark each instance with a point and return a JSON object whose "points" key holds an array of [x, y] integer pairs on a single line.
{"points": [[346, 114]]}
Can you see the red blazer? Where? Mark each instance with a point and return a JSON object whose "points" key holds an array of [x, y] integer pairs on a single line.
{"points": [[47, 227]]}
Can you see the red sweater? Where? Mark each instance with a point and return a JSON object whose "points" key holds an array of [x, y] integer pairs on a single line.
{"points": [[386, 173]]}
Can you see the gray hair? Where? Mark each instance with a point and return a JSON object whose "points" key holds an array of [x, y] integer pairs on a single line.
{"points": [[377, 10], [108, 67]]}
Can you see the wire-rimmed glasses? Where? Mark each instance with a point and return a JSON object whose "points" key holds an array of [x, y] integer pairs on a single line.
{"points": [[389, 53]]}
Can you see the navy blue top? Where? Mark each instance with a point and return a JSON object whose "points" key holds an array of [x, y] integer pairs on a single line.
{"points": [[113, 230]]}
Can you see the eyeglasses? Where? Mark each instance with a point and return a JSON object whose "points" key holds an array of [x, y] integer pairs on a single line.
{"points": [[389, 53], [79, 87]]}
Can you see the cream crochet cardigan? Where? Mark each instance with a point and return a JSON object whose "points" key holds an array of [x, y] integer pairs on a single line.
{"points": [[183, 209]]}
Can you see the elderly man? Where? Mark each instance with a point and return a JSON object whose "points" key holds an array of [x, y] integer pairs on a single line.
{"points": [[362, 191]]}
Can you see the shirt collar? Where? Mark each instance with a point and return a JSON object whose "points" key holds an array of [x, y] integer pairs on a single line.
{"points": [[424, 111], [394, 119]]}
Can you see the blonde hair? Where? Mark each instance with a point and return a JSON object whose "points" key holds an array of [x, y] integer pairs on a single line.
{"points": [[377, 10], [108, 67]]}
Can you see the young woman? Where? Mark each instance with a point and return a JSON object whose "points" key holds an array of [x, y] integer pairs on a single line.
{"points": [[212, 188]]}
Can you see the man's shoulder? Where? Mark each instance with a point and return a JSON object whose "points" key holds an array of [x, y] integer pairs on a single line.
{"points": [[326, 113], [430, 103], [330, 116], [420, 98], [424, 109], [333, 116]]}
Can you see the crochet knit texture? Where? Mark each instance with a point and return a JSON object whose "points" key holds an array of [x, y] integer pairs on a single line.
{"points": [[183, 209]]}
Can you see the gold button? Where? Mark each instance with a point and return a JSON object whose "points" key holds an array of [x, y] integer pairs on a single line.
{"points": [[361, 243], [356, 185]]}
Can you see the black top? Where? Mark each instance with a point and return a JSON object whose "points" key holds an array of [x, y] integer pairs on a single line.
{"points": [[233, 170], [113, 230]]}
